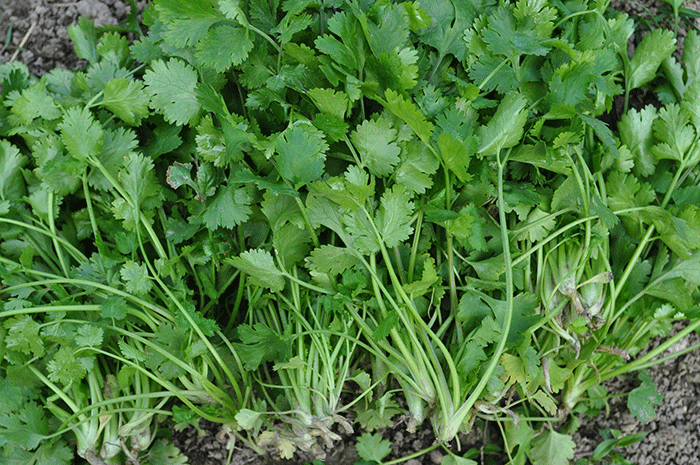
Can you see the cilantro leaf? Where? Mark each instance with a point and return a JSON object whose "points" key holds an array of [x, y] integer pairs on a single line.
{"points": [[229, 207], [12, 184], [164, 452], [261, 344], [139, 180], [171, 87], [26, 428], [552, 448], [642, 399], [260, 268], [126, 99], [65, 368], [136, 278], [301, 154], [34, 102], [394, 216], [376, 144], [23, 336], [410, 113], [373, 447], [186, 22], [636, 133], [224, 46], [654, 48], [331, 259], [81, 133], [114, 307], [505, 129]]}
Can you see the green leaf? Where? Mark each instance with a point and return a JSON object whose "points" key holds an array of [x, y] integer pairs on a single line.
{"points": [[301, 154], [12, 185], [23, 336], [126, 99], [113, 47], [331, 259], [171, 87], [34, 102], [417, 166], [373, 447], [89, 336], [81, 133], [409, 113], [261, 344], [654, 48], [26, 428], [642, 399], [455, 155], [84, 37], [139, 181], [114, 307], [136, 278], [635, 129], [382, 330], [65, 368], [229, 208], [186, 22], [552, 448], [505, 129], [394, 216], [376, 144], [164, 452], [456, 460], [292, 244], [673, 128], [330, 101], [224, 46], [260, 268]]}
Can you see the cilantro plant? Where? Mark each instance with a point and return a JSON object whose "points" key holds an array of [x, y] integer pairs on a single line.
{"points": [[302, 219]]}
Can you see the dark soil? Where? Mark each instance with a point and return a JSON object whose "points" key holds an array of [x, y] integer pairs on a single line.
{"points": [[36, 33]]}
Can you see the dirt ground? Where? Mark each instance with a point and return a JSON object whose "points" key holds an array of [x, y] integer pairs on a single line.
{"points": [[34, 32]]}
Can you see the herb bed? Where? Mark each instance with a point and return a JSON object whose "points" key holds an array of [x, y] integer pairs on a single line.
{"points": [[357, 196]]}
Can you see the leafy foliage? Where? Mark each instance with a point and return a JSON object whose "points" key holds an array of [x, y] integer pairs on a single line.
{"points": [[258, 207]]}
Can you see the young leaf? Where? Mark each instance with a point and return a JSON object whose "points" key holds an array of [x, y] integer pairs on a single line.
{"points": [[171, 87]]}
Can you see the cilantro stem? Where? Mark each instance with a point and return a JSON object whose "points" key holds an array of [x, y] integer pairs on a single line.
{"points": [[510, 290]]}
